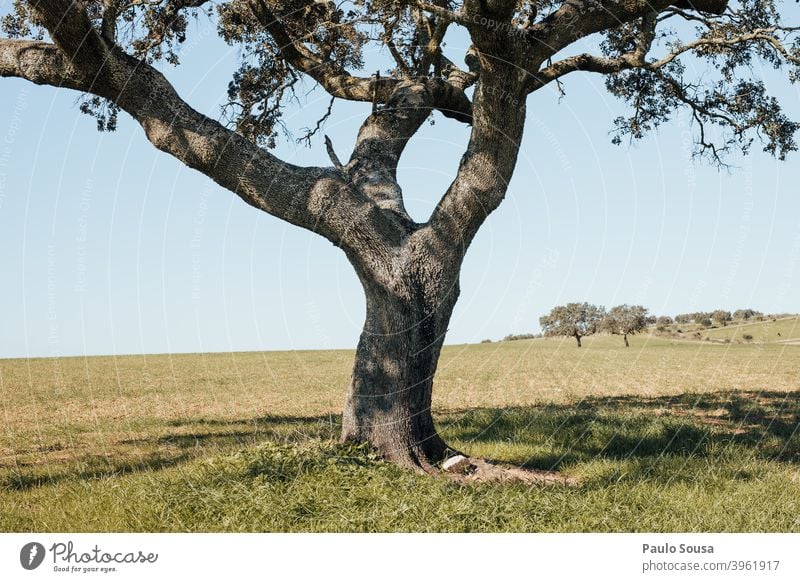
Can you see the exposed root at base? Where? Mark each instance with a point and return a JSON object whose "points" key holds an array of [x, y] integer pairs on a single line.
{"points": [[475, 470]]}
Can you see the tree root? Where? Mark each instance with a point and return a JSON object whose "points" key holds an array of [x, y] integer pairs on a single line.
{"points": [[476, 470]]}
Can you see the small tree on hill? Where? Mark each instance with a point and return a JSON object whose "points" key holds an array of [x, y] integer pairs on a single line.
{"points": [[625, 320], [573, 319], [721, 316], [663, 322], [746, 314]]}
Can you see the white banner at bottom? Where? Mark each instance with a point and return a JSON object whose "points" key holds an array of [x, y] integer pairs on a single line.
{"points": [[355, 557]]}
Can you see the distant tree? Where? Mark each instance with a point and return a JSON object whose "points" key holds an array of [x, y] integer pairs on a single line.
{"points": [[625, 320], [701, 316], [683, 318], [573, 320], [663, 322], [721, 316], [519, 336], [705, 321], [746, 314]]}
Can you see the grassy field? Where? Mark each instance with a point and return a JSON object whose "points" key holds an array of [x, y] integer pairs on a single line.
{"points": [[663, 436], [780, 330], [783, 330]]}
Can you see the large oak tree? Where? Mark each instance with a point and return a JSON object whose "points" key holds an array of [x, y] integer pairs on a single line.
{"points": [[572, 320], [625, 320], [107, 49]]}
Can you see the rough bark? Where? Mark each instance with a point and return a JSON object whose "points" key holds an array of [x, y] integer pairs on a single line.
{"points": [[409, 305], [481, 183], [411, 289]]}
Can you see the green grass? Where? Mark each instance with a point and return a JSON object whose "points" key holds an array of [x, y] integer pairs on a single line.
{"points": [[663, 436]]}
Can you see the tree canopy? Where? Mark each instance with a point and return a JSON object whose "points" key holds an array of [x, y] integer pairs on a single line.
{"points": [[625, 320], [721, 316], [746, 314], [642, 50]]}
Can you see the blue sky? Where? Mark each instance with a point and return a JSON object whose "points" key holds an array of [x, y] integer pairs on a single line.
{"points": [[109, 246]]}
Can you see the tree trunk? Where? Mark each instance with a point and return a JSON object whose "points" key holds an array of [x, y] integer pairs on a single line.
{"points": [[625, 337], [577, 337], [389, 402]]}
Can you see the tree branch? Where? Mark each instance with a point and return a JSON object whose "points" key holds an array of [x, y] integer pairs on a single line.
{"points": [[388, 33], [334, 79], [383, 137], [431, 32], [332, 155], [317, 199], [577, 19], [486, 167], [442, 12], [340, 83], [38, 62], [637, 59]]}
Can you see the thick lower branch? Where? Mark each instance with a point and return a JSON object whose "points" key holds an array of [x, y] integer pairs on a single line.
{"points": [[38, 62], [318, 199]]}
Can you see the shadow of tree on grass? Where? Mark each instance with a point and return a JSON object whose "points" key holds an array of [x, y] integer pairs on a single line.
{"points": [[756, 424], [765, 425], [174, 442]]}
